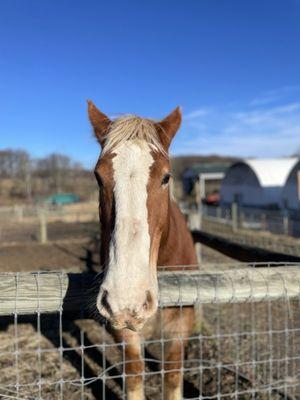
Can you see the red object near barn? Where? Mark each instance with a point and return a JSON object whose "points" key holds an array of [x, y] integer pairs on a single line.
{"points": [[213, 198]]}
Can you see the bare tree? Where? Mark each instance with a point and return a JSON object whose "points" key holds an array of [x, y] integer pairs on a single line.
{"points": [[24, 177], [16, 165]]}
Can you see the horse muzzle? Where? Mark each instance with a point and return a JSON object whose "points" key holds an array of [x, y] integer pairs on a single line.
{"points": [[132, 317]]}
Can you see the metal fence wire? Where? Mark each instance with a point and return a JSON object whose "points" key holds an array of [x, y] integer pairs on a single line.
{"points": [[245, 343], [280, 222]]}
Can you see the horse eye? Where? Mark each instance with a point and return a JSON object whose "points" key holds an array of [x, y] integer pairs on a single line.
{"points": [[165, 179]]}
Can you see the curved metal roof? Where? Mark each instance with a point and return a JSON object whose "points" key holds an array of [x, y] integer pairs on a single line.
{"points": [[271, 171]]}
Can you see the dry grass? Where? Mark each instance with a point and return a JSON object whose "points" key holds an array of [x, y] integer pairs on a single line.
{"points": [[32, 367]]}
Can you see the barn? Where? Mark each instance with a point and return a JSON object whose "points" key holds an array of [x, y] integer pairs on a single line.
{"points": [[291, 190], [191, 175], [261, 182]]}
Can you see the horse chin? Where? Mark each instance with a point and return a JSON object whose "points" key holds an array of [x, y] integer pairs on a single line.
{"points": [[132, 325], [135, 327]]}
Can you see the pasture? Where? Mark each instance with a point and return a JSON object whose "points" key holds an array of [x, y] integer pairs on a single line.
{"points": [[236, 350]]}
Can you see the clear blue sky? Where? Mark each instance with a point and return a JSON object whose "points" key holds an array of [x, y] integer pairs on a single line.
{"points": [[234, 67]]}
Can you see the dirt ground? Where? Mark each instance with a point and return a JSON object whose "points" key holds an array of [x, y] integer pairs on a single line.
{"points": [[64, 255], [71, 246]]}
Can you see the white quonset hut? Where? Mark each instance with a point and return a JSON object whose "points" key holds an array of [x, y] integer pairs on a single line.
{"points": [[291, 190], [261, 183]]}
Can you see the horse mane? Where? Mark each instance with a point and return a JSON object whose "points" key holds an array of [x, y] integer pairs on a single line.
{"points": [[132, 128]]}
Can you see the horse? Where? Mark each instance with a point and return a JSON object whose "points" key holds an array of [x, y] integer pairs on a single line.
{"points": [[141, 228]]}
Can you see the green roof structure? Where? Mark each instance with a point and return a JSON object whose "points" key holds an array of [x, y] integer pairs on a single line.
{"points": [[62, 198]]}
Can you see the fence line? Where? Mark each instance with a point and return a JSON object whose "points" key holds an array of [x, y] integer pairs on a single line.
{"points": [[246, 345], [41, 223], [283, 222], [25, 293], [32, 210], [268, 243]]}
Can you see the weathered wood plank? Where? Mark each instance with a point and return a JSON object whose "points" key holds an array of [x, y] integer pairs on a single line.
{"points": [[231, 286], [25, 294]]}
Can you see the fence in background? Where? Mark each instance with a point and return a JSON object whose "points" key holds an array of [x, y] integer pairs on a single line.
{"points": [[23, 223], [36, 223], [245, 343], [24, 213], [283, 222]]}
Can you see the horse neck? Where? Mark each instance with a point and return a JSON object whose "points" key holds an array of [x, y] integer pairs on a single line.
{"points": [[176, 247], [170, 236]]}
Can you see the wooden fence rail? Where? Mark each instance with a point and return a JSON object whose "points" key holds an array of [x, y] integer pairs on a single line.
{"points": [[25, 293]]}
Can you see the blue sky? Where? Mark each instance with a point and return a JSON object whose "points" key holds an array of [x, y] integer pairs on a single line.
{"points": [[233, 66]]}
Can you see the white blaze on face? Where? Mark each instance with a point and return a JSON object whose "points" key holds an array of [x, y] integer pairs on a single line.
{"points": [[129, 275]]}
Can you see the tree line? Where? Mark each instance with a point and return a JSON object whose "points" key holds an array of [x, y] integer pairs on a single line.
{"points": [[24, 177]]}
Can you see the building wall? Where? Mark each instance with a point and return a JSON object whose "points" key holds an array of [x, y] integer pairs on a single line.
{"points": [[247, 186], [290, 195], [241, 185]]}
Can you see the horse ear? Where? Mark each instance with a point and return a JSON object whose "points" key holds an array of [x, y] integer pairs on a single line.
{"points": [[168, 127], [99, 121]]}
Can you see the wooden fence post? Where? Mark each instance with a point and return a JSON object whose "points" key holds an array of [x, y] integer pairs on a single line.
{"points": [[263, 222], [241, 218], [234, 216], [43, 226], [194, 219], [19, 213], [285, 223]]}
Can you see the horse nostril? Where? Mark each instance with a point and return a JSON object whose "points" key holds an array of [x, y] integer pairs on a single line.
{"points": [[104, 302], [149, 302]]}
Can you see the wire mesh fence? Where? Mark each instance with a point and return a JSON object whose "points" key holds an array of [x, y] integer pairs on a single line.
{"points": [[244, 342], [282, 222]]}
